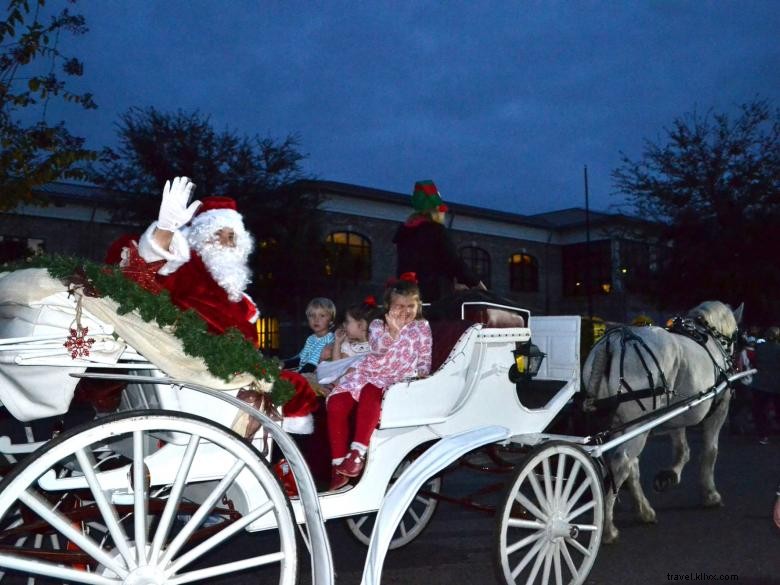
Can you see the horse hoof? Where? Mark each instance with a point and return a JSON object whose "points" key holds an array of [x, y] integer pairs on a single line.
{"points": [[610, 536], [713, 501], [648, 517], [664, 480]]}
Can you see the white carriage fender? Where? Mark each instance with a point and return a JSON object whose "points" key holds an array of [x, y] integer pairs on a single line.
{"points": [[321, 556], [400, 495]]}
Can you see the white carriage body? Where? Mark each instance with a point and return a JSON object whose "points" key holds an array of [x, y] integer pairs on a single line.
{"points": [[470, 390]]}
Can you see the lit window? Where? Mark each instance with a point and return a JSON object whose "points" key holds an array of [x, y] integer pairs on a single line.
{"points": [[523, 273], [478, 260], [348, 255], [268, 333]]}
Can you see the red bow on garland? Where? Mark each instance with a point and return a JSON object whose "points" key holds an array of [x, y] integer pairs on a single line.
{"points": [[370, 301]]}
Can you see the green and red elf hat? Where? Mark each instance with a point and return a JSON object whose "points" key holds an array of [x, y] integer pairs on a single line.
{"points": [[426, 197]]}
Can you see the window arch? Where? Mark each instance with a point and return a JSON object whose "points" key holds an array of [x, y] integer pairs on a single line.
{"points": [[478, 260], [348, 255], [523, 273]]}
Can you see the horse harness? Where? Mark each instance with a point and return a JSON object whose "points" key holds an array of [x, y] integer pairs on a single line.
{"points": [[696, 329]]}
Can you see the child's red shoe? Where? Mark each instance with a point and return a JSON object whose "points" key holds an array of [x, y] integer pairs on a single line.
{"points": [[353, 463]]}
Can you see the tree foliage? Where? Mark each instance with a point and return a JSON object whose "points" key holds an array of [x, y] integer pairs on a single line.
{"points": [[256, 171], [32, 72], [713, 182]]}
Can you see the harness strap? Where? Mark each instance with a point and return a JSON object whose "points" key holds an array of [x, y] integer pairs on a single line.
{"points": [[614, 401]]}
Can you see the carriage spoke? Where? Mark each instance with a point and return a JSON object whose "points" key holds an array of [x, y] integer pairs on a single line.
{"points": [[423, 500], [59, 572], [578, 546], [557, 564], [540, 556], [521, 523], [63, 525], [568, 559], [218, 538], [577, 495], [224, 569], [548, 562], [559, 476], [525, 542], [414, 515], [527, 558], [359, 523], [139, 496], [201, 513], [543, 501], [529, 505], [575, 469], [548, 490], [581, 510], [174, 497], [107, 511]]}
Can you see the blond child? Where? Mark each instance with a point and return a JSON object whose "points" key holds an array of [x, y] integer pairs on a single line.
{"points": [[320, 313], [401, 345]]}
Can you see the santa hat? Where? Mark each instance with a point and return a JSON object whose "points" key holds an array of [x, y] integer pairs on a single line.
{"points": [[426, 197], [218, 213]]}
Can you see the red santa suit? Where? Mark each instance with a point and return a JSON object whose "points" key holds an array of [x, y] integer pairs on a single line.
{"points": [[201, 274]]}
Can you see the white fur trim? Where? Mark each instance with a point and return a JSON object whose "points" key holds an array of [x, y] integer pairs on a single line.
{"points": [[256, 315], [299, 425], [176, 255], [220, 218]]}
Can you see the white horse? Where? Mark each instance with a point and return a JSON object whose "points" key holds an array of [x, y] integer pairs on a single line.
{"points": [[650, 367]]}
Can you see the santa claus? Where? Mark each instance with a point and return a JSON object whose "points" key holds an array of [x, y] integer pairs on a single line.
{"points": [[199, 253]]}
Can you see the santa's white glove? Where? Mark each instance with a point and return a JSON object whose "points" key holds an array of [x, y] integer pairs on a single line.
{"points": [[174, 211]]}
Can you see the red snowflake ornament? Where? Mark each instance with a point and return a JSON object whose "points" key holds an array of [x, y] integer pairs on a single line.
{"points": [[77, 343]]}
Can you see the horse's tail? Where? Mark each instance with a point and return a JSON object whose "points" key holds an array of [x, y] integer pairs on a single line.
{"points": [[600, 355]]}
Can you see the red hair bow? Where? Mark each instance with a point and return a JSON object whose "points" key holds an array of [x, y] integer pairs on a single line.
{"points": [[405, 277], [370, 301]]}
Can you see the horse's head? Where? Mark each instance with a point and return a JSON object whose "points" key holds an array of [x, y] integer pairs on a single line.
{"points": [[720, 321]]}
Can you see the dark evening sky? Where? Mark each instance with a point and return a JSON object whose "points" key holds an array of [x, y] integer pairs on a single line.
{"points": [[501, 103]]}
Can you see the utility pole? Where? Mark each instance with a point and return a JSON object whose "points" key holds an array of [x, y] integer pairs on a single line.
{"points": [[588, 274]]}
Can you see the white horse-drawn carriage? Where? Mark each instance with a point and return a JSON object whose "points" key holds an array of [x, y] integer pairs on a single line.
{"points": [[163, 491]]}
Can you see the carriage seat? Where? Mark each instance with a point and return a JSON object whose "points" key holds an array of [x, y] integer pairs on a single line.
{"points": [[430, 400]]}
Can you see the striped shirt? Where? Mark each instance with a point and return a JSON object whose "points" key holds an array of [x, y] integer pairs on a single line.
{"points": [[312, 349]]}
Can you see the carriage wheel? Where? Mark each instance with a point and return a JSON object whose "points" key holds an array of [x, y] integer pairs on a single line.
{"points": [[549, 527], [184, 531], [416, 517]]}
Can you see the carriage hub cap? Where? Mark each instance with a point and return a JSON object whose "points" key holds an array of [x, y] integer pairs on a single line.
{"points": [[558, 528]]}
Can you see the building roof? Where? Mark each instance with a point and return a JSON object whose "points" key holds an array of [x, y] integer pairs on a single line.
{"points": [[564, 219], [372, 194]]}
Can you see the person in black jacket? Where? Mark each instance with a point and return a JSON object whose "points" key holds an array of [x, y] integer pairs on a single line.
{"points": [[425, 248]]}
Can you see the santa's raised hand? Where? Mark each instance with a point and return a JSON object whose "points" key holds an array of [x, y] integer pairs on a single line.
{"points": [[174, 211]]}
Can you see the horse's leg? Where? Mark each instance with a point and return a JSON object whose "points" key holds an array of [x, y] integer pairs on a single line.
{"points": [[667, 478], [710, 431], [620, 463], [644, 509]]}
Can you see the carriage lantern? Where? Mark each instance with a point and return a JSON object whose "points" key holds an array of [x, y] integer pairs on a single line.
{"points": [[528, 360]]}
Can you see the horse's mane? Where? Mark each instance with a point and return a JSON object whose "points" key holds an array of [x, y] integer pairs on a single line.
{"points": [[717, 315]]}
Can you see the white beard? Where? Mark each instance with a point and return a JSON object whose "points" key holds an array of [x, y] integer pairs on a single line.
{"points": [[227, 265]]}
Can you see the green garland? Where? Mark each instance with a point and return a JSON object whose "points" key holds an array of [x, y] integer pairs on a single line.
{"points": [[225, 354]]}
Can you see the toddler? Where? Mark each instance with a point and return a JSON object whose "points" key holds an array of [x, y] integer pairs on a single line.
{"points": [[320, 312], [351, 342]]}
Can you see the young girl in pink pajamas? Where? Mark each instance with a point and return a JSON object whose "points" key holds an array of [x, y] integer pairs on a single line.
{"points": [[400, 349]]}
